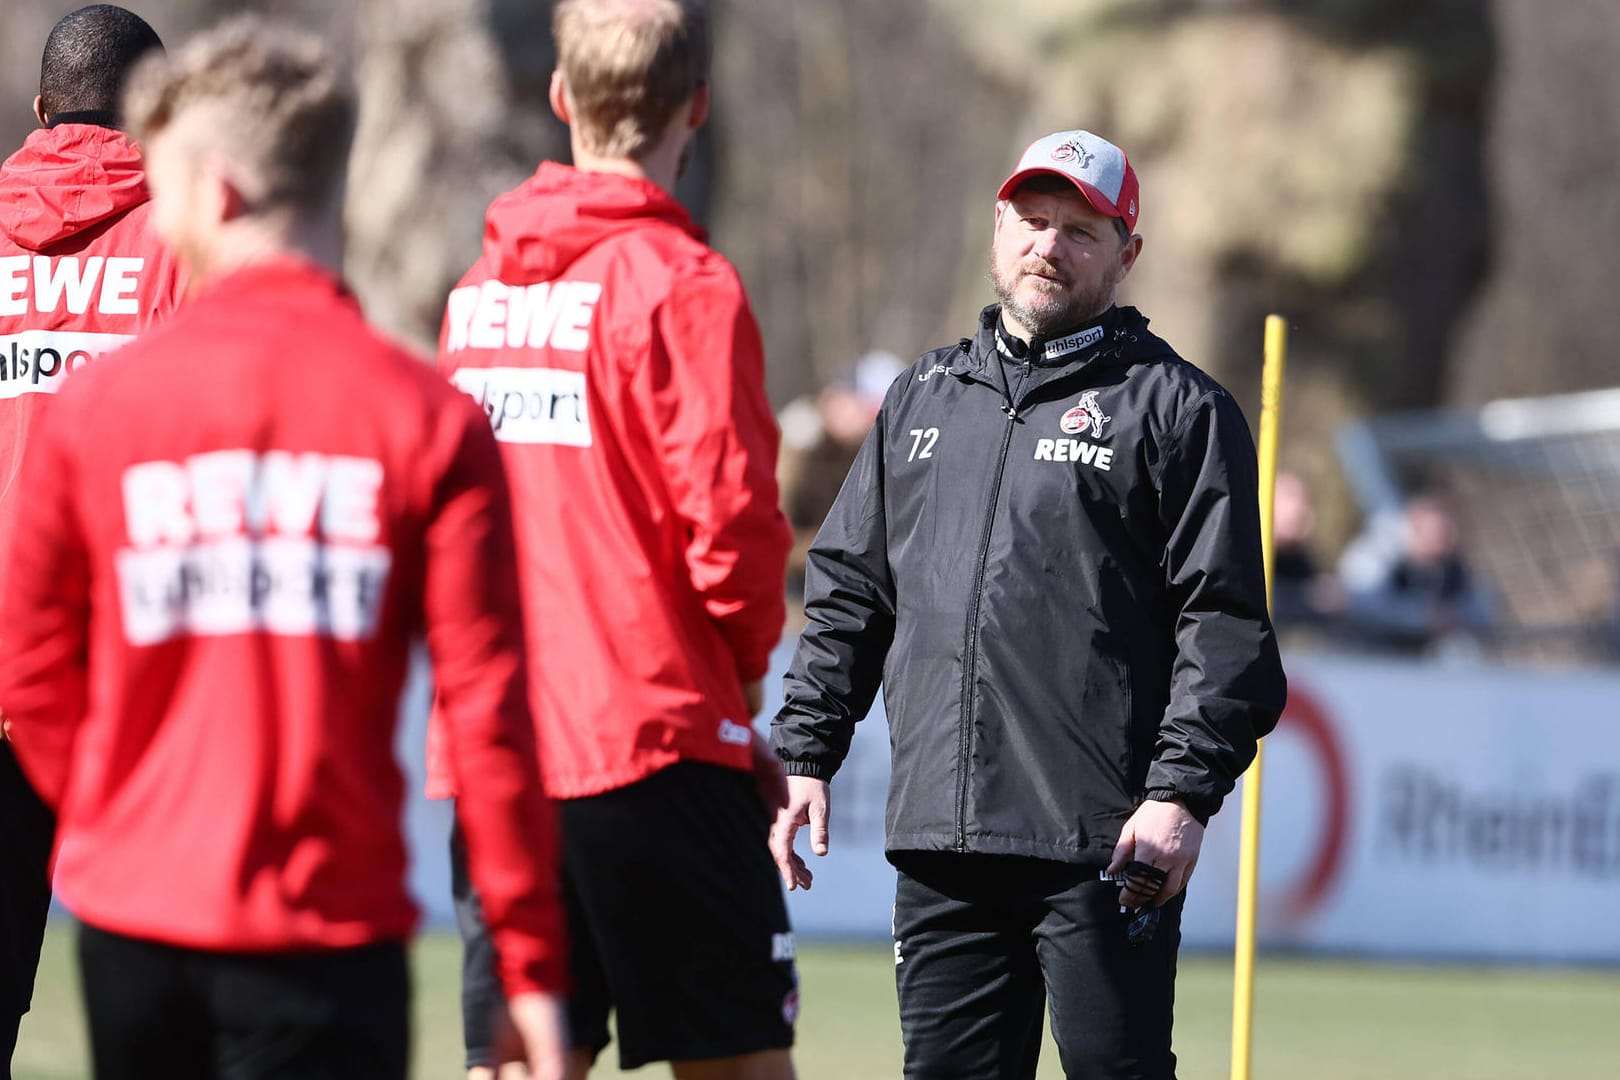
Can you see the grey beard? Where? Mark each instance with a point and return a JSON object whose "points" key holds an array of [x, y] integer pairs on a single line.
{"points": [[1043, 323], [1049, 319]]}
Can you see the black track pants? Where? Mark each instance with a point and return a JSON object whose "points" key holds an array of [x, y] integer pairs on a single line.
{"points": [[983, 942], [26, 828]]}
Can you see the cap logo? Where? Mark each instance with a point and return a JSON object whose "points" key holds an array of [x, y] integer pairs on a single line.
{"points": [[1073, 151]]}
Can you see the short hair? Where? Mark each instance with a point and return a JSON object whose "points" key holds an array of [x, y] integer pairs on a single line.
{"points": [[628, 66], [1052, 184], [269, 99], [87, 57]]}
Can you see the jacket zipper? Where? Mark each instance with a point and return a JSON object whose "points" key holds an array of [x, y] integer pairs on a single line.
{"points": [[970, 661]]}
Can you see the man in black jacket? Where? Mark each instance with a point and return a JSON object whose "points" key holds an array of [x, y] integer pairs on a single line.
{"points": [[1048, 554]]}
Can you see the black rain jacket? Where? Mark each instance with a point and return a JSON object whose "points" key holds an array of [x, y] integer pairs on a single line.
{"points": [[1055, 574]]}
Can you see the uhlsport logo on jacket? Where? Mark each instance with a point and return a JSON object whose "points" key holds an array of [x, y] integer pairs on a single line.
{"points": [[237, 541], [36, 360], [526, 403]]}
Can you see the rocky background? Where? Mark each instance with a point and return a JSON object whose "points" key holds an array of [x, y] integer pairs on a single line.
{"points": [[1430, 192]]}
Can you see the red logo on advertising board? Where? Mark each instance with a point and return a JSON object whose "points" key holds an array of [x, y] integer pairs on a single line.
{"points": [[1306, 717]]}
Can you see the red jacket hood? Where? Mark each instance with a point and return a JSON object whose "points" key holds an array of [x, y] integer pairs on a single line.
{"points": [[534, 232], [66, 179]]}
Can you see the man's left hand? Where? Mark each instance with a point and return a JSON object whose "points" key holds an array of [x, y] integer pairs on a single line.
{"points": [[1164, 835]]}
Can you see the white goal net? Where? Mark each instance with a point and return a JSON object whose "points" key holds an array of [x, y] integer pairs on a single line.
{"points": [[1536, 486]]}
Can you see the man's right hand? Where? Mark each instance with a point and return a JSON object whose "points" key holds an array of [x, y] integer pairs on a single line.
{"points": [[808, 804], [539, 1024]]}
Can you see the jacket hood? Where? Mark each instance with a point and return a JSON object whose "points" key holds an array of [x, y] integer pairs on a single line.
{"points": [[66, 179], [538, 230]]}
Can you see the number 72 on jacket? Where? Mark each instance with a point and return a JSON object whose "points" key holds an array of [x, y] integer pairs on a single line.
{"points": [[922, 442]]}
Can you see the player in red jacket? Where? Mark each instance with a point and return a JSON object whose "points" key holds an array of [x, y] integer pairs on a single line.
{"points": [[622, 371], [235, 528], [79, 274]]}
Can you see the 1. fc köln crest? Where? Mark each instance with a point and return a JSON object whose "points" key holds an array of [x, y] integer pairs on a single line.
{"points": [[1086, 417]]}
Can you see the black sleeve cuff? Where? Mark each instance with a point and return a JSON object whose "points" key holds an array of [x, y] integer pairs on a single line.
{"points": [[813, 769]]}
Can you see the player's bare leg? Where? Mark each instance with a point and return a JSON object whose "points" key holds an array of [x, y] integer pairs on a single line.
{"points": [[765, 1065], [512, 1070]]}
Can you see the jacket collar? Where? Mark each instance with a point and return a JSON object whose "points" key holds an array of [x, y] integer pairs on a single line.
{"points": [[1124, 331]]}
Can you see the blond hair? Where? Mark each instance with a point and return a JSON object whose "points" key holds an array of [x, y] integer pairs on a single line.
{"points": [[628, 65], [269, 99]]}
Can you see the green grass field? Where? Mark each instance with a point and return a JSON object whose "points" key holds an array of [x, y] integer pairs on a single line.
{"points": [[1323, 1020]]}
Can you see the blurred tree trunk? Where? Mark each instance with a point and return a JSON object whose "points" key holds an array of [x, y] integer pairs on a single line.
{"points": [[1548, 320], [454, 113], [854, 141]]}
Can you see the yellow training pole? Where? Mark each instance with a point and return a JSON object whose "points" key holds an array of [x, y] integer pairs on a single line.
{"points": [[1271, 380]]}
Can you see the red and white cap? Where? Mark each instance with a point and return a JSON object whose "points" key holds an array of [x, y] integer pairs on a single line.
{"points": [[1094, 165]]}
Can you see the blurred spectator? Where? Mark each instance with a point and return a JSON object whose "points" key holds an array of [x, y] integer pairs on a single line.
{"points": [[1614, 625], [1302, 595], [1409, 588], [820, 436]]}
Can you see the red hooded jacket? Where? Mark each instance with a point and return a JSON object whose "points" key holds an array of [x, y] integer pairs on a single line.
{"points": [[235, 528], [79, 273], [618, 361]]}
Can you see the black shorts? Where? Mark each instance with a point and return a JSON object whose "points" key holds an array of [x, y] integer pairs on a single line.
{"points": [[985, 944], [161, 1011], [676, 922], [26, 829]]}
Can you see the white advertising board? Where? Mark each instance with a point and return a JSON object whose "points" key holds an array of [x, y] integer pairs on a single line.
{"points": [[1409, 810], [1415, 810]]}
